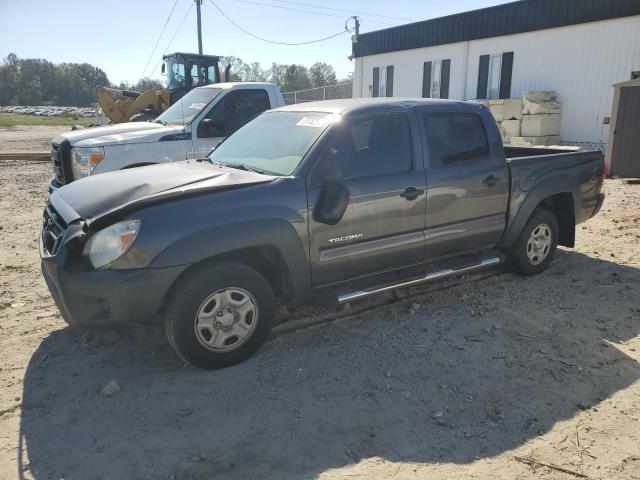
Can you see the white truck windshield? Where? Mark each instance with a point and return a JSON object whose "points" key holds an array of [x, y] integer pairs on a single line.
{"points": [[185, 109], [274, 142]]}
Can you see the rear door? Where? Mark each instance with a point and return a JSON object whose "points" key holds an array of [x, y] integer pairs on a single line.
{"points": [[232, 111], [467, 181], [382, 227]]}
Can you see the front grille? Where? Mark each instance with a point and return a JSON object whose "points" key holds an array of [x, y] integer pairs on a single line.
{"points": [[61, 161], [53, 229], [56, 161]]}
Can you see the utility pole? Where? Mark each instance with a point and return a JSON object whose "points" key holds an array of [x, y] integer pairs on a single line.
{"points": [[356, 20], [198, 4]]}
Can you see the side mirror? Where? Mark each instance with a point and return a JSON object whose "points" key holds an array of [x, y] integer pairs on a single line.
{"points": [[332, 203], [211, 127], [164, 68]]}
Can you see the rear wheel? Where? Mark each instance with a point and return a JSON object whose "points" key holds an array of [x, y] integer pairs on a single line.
{"points": [[534, 250], [220, 315]]}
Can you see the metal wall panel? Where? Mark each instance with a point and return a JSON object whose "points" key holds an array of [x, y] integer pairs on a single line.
{"points": [[516, 17], [580, 62]]}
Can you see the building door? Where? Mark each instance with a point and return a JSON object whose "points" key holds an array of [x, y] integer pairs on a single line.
{"points": [[625, 153]]}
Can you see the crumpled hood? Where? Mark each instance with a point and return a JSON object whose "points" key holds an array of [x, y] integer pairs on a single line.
{"points": [[132, 132], [96, 196]]}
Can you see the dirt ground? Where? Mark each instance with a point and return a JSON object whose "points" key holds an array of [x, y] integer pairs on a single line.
{"points": [[489, 378], [23, 138]]}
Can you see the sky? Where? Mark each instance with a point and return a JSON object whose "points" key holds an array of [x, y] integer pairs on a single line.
{"points": [[119, 35]]}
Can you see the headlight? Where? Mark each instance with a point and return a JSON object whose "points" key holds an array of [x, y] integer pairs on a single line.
{"points": [[111, 243], [84, 160]]}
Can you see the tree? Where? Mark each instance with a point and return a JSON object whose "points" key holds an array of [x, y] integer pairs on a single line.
{"points": [[322, 75], [237, 68], [35, 81], [9, 79], [296, 77], [147, 83], [276, 74]]}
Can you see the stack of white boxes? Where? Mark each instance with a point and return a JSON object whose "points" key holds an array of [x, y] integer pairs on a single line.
{"points": [[532, 120]]}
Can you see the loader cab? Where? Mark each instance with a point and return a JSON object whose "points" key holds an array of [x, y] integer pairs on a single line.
{"points": [[186, 71]]}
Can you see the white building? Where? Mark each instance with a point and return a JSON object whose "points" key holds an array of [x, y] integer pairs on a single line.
{"points": [[577, 48]]}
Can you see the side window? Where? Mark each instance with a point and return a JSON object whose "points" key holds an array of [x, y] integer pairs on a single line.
{"points": [[454, 137], [197, 76], [378, 146], [233, 111]]}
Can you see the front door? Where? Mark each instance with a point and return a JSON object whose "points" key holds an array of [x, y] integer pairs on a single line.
{"points": [[382, 227], [467, 183], [232, 111]]}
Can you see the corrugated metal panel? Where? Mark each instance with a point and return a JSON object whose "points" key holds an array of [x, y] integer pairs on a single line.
{"points": [[517, 17], [580, 62]]}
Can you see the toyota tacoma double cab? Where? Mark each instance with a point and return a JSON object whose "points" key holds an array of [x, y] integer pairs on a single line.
{"points": [[344, 197], [190, 128]]}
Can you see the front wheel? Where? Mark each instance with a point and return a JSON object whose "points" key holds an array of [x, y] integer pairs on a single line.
{"points": [[219, 315], [537, 245]]}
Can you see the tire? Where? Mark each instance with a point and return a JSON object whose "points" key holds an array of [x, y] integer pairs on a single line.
{"points": [[207, 310], [530, 255]]}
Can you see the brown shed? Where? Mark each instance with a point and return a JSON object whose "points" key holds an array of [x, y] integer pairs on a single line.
{"points": [[623, 149]]}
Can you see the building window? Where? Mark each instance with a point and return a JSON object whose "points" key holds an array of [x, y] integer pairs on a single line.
{"points": [[435, 80], [495, 69], [383, 81], [494, 76]]}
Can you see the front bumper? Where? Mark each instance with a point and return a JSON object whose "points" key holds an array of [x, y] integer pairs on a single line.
{"points": [[102, 297]]}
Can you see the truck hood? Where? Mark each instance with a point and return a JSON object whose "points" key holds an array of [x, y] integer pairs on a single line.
{"points": [[95, 198], [132, 132]]}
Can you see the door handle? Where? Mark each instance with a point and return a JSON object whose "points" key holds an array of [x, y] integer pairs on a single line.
{"points": [[491, 181], [412, 193]]}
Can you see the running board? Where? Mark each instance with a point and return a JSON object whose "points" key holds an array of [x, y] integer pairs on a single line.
{"points": [[477, 263]]}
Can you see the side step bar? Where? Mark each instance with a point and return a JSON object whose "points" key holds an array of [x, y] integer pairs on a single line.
{"points": [[477, 263]]}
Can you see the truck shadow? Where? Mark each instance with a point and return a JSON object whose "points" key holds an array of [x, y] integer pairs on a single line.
{"points": [[481, 369]]}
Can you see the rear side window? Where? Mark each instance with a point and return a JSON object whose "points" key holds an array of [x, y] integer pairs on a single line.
{"points": [[377, 146], [454, 137]]}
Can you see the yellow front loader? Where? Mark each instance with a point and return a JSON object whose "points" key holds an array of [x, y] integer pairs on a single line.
{"points": [[184, 71], [128, 106]]}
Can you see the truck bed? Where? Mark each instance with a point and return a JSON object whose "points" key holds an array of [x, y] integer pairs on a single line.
{"points": [[577, 173]]}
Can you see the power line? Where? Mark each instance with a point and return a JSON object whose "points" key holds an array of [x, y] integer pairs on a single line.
{"points": [[174, 36], [272, 41], [164, 27], [304, 11], [341, 10]]}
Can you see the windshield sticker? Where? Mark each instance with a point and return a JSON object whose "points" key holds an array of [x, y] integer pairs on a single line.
{"points": [[316, 122], [197, 106]]}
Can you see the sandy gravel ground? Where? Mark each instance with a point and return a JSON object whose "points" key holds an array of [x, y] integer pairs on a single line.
{"points": [[28, 138], [487, 379]]}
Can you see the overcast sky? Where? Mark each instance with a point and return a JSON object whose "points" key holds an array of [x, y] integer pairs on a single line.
{"points": [[119, 35]]}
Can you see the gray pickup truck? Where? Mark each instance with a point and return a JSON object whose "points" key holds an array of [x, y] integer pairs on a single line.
{"points": [[348, 197]]}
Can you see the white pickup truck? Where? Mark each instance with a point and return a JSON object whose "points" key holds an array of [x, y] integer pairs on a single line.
{"points": [[189, 129]]}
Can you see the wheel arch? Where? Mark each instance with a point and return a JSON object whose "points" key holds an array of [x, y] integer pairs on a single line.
{"points": [[562, 206], [558, 195], [273, 248]]}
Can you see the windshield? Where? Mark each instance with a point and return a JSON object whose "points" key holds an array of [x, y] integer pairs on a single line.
{"points": [[273, 142], [183, 111]]}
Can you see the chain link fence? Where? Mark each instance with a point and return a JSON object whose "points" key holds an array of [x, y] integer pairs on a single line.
{"points": [[330, 92]]}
